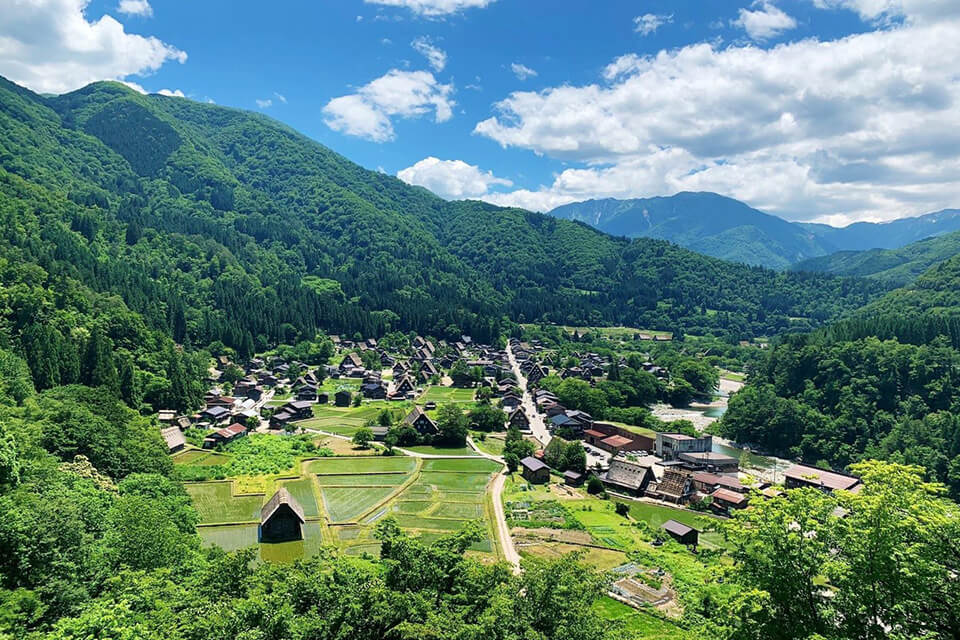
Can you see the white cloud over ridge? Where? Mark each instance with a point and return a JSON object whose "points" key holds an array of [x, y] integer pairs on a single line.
{"points": [[52, 47], [765, 22], [863, 127], [451, 179], [434, 8], [405, 94], [436, 57]]}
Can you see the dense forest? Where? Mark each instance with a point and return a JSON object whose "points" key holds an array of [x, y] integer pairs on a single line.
{"points": [[205, 225]]}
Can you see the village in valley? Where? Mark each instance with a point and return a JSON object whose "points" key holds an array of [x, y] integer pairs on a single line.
{"points": [[294, 452]]}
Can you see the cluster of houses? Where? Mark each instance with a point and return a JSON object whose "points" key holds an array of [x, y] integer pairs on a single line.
{"points": [[422, 362]]}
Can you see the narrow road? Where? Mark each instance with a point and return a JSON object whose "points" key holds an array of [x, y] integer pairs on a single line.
{"points": [[503, 530], [537, 425]]}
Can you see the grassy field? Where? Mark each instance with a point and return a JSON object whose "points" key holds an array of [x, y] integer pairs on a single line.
{"points": [[214, 503], [362, 480], [641, 623], [443, 451], [303, 492], [344, 504], [189, 456], [492, 443], [454, 481], [372, 464], [480, 465], [441, 395]]}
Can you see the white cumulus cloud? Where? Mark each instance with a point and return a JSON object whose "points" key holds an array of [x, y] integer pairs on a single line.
{"points": [[434, 8], [436, 57], [405, 94], [451, 179], [650, 22], [172, 93], [52, 47], [135, 8], [264, 104], [862, 127], [522, 71], [765, 22]]}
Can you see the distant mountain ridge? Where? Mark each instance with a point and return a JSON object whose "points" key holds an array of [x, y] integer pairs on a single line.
{"points": [[898, 267], [704, 222], [732, 230]]}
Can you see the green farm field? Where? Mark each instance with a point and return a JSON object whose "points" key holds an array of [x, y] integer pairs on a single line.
{"points": [[215, 503], [441, 395]]}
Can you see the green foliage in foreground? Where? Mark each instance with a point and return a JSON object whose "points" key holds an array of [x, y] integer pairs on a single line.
{"points": [[885, 568]]}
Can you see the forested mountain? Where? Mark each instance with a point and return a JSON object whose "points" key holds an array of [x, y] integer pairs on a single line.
{"points": [[704, 222], [896, 266], [216, 225], [861, 236]]}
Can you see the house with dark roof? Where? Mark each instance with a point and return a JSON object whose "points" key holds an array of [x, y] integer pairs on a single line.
{"points": [[281, 519], [421, 422], [215, 415], [374, 390], [572, 478], [298, 409], [342, 398], [681, 532], [404, 386], [534, 471], [628, 476], [518, 418]]}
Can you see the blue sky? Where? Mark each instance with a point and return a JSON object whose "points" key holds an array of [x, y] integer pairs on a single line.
{"points": [[829, 110]]}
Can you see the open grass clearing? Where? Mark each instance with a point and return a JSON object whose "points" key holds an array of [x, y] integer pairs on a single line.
{"points": [[478, 465], [465, 510], [190, 456], [363, 480], [441, 395], [603, 559], [455, 481], [215, 503], [442, 451], [344, 504], [370, 464], [640, 623], [491, 444], [229, 538]]}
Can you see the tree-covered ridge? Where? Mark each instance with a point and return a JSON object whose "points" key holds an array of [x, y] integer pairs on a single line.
{"points": [[936, 293], [898, 266], [216, 225]]}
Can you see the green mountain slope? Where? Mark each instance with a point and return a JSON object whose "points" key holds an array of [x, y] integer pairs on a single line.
{"points": [[896, 266], [213, 224], [704, 222]]}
